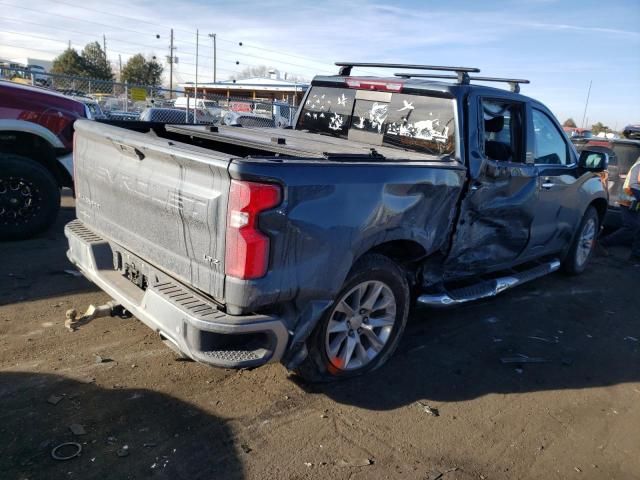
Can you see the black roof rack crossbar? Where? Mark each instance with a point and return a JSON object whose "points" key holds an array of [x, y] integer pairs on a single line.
{"points": [[462, 72], [514, 83]]}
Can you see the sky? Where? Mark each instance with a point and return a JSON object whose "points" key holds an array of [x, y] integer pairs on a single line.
{"points": [[560, 45]]}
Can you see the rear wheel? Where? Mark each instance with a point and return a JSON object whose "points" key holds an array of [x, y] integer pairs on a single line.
{"points": [[583, 245], [362, 328], [29, 198]]}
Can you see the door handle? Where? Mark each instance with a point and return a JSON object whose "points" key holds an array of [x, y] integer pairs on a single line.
{"points": [[547, 185]]}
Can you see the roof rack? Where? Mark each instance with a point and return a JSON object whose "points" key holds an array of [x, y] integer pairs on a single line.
{"points": [[462, 72], [514, 83]]}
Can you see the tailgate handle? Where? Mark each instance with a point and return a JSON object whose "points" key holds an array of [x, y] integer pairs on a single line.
{"points": [[139, 154]]}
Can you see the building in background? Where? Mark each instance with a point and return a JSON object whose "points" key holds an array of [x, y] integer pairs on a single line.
{"points": [[256, 88]]}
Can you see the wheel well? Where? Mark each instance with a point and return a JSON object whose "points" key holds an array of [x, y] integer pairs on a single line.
{"points": [[600, 204], [401, 251], [36, 148]]}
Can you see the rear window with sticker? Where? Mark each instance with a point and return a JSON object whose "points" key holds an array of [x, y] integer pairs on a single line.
{"points": [[412, 122], [328, 110]]}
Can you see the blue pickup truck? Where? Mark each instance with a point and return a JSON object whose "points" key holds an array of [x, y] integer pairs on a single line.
{"points": [[310, 245]]}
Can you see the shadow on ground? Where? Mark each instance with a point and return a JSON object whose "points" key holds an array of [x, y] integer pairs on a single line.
{"points": [[584, 331], [166, 438]]}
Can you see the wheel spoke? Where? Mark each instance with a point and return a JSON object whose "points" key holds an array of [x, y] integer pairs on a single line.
{"points": [[347, 351], [376, 343], [335, 344], [372, 295], [336, 326], [383, 321], [344, 307]]}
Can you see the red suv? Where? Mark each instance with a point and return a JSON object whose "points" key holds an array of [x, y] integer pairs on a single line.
{"points": [[36, 140]]}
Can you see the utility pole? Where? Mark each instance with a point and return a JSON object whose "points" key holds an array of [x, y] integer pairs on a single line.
{"points": [[195, 91], [213, 40], [119, 67], [104, 45], [586, 104], [171, 49]]}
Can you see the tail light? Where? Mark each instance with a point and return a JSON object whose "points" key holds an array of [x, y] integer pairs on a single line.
{"points": [[377, 85], [247, 248]]}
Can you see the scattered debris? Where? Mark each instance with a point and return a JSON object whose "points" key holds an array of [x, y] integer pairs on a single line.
{"points": [[245, 448], [589, 335], [77, 429], [150, 445], [73, 273], [124, 451], [436, 475], [111, 439], [633, 339], [520, 358], [324, 415], [308, 464], [54, 399], [74, 447], [577, 469], [491, 320], [519, 370], [434, 412], [101, 359], [361, 462]]}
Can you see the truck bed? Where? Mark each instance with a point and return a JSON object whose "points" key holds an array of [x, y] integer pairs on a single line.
{"points": [[296, 143]]}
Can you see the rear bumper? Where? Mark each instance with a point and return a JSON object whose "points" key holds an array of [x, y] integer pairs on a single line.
{"points": [[192, 323]]}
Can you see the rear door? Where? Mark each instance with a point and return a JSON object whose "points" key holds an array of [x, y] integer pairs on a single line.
{"points": [[496, 216], [163, 201]]}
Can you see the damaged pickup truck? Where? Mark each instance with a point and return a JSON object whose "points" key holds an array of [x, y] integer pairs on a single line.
{"points": [[310, 245]]}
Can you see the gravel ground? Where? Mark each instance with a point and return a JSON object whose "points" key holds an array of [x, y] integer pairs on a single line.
{"points": [[445, 406]]}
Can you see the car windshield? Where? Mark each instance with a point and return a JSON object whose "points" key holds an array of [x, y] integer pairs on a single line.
{"points": [[412, 122]]}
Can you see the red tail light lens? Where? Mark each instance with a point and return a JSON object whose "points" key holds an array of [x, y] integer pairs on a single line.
{"points": [[247, 249]]}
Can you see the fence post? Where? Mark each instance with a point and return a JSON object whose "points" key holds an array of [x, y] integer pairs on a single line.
{"points": [[126, 96]]}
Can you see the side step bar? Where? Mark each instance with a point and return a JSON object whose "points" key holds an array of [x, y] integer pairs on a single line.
{"points": [[487, 288]]}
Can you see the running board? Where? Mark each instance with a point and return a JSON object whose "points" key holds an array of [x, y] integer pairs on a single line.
{"points": [[487, 288]]}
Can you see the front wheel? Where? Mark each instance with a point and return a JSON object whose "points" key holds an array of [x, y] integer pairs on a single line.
{"points": [[363, 326], [583, 244]]}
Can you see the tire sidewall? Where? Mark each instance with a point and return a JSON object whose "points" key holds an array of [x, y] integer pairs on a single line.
{"points": [[572, 259], [372, 268], [49, 192]]}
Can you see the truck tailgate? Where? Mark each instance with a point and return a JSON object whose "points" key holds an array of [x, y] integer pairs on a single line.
{"points": [[163, 201]]}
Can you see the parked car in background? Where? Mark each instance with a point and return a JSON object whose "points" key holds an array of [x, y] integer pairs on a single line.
{"points": [[573, 132], [622, 155], [215, 112], [92, 105], [632, 131], [36, 140], [37, 73], [309, 246], [260, 114], [166, 115]]}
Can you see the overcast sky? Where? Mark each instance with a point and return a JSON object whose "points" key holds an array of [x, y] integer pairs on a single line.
{"points": [[559, 45]]}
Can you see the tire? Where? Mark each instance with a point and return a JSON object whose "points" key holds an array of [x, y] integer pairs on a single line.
{"points": [[371, 340], [29, 197], [583, 244]]}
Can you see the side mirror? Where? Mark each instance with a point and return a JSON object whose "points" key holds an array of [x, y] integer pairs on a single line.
{"points": [[593, 161]]}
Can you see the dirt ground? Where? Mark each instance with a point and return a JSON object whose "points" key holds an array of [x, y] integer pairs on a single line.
{"points": [[147, 415]]}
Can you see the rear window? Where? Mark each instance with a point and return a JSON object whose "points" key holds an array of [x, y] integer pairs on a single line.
{"points": [[412, 122], [626, 154]]}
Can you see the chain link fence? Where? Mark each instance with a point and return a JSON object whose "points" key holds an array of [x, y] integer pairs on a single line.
{"points": [[123, 101]]}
